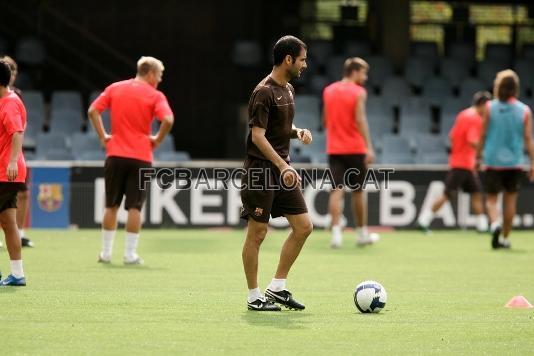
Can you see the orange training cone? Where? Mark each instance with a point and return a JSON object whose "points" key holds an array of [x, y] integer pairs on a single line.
{"points": [[518, 302]]}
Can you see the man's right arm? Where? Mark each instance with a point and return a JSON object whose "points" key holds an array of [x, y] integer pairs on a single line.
{"points": [[96, 121], [529, 144]]}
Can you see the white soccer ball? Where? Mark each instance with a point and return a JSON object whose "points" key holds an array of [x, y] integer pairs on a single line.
{"points": [[370, 297]]}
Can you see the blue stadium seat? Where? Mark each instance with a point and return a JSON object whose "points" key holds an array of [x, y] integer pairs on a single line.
{"points": [[45, 141], [91, 155], [429, 143], [83, 142], [30, 51], [175, 156], [487, 70], [380, 69], [415, 117], [436, 89], [65, 121], [433, 158], [525, 70], [464, 52], [307, 111], [66, 99], [379, 116], [449, 110], [498, 52], [334, 67], [167, 145], [396, 90], [470, 86], [34, 103], [425, 50], [317, 149], [320, 51], [417, 70], [356, 49], [54, 154], [106, 115], [454, 70], [318, 83]]}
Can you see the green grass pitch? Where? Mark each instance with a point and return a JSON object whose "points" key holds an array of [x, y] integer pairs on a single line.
{"points": [[446, 294]]}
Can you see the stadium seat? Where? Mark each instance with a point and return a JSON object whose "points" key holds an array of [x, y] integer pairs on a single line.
{"points": [[429, 143], [435, 89], [379, 116], [175, 156], [425, 50], [167, 145], [307, 112], [356, 49], [525, 70], [66, 99], [83, 142], [380, 69], [320, 51], [432, 158], [528, 52], [247, 54], [454, 70], [415, 117], [55, 154], [106, 115], [470, 86], [318, 83], [487, 70], [34, 103], [91, 155], [395, 90], [464, 52], [501, 53], [46, 141], [65, 121], [30, 51], [317, 149], [334, 67], [449, 110], [30, 136], [396, 144], [417, 70]]}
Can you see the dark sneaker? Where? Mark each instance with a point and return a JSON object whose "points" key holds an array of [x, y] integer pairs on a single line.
{"points": [[495, 243], [262, 305], [26, 242], [285, 298], [11, 280]]}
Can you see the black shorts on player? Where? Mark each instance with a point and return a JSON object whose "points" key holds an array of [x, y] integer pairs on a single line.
{"points": [[348, 171], [263, 196], [498, 180], [122, 178], [464, 179], [8, 195]]}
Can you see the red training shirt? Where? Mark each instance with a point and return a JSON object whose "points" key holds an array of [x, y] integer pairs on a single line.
{"points": [[340, 103], [466, 131], [133, 104], [12, 119]]}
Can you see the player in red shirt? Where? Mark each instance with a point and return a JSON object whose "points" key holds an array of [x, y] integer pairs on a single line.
{"points": [[464, 137], [133, 104], [349, 147], [12, 171], [23, 195]]}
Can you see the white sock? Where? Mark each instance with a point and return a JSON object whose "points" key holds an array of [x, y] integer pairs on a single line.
{"points": [[495, 225], [254, 294], [277, 285], [130, 245], [425, 218], [362, 231], [482, 223], [337, 235], [21, 233], [16, 268], [107, 242]]}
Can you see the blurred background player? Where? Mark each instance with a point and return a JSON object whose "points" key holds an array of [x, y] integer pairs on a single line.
{"points": [[349, 147], [133, 104], [12, 171], [506, 134], [23, 195], [464, 138], [271, 111]]}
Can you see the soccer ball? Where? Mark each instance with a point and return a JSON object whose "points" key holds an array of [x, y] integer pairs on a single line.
{"points": [[370, 297]]}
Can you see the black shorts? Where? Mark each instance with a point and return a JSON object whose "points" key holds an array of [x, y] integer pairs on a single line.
{"points": [[348, 170], [263, 196], [463, 179], [8, 195], [498, 180], [122, 178]]}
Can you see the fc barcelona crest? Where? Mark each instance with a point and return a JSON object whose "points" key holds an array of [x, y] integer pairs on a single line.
{"points": [[50, 197]]}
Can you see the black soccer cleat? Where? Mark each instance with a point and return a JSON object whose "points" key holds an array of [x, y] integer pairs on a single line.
{"points": [[285, 298], [26, 242], [262, 305], [495, 243]]}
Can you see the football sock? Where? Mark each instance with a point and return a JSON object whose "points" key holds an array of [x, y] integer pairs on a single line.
{"points": [[336, 234], [482, 222], [362, 231], [277, 285], [425, 218], [130, 246], [107, 242], [495, 225], [254, 294], [16, 268], [21, 233]]}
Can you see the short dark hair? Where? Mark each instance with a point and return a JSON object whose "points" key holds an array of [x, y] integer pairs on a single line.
{"points": [[481, 97], [354, 64], [287, 45], [5, 73], [506, 85]]}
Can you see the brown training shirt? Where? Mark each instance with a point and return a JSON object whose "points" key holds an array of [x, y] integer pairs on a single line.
{"points": [[271, 107]]}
